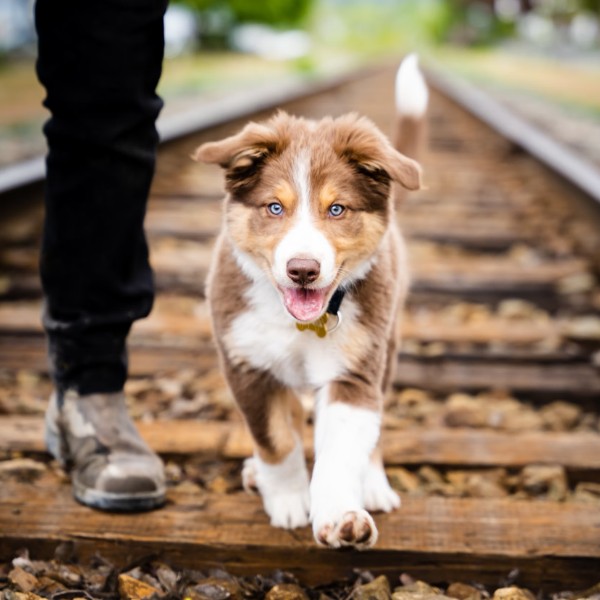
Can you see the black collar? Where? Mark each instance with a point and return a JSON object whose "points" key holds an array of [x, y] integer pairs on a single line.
{"points": [[336, 301]]}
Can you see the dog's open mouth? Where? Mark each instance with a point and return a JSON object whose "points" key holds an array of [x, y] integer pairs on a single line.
{"points": [[304, 304]]}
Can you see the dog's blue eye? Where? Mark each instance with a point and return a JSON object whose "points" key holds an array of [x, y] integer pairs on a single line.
{"points": [[275, 209], [335, 210]]}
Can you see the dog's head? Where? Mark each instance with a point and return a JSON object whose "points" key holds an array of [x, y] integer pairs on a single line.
{"points": [[308, 202]]}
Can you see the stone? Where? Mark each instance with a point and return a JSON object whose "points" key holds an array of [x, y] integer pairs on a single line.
{"points": [[560, 416], [403, 480], [22, 469], [12, 595], [173, 472], [434, 349], [464, 312], [589, 421], [217, 588], [286, 591], [167, 577], [414, 404], [462, 591], [462, 410], [434, 483], [485, 483], [578, 283], [587, 492], [511, 415], [70, 574], [407, 595], [548, 480], [23, 580], [584, 328], [418, 587], [49, 586], [131, 588], [512, 593], [418, 590], [458, 479], [515, 309], [219, 485], [430, 475], [378, 589], [192, 492]]}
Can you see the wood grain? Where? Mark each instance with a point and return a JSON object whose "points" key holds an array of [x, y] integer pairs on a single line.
{"points": [[415, 446], [187, 318], [441, 539]]}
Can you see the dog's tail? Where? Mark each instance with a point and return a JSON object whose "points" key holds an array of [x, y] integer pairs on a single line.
{"points": [[412, 96]]}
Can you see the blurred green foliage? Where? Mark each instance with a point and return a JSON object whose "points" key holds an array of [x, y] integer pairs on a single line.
{"points": [[283, 13], [369, 27], [273, 12], [565, 8], [591, 5], [392, 25]]}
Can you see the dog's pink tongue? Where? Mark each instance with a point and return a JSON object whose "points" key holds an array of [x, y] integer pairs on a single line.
{"points": [[303, 304]]}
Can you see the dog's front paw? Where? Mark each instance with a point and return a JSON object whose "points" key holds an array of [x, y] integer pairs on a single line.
{"points": [[249, 476], [288, 509], [283, 487], [354, 528], [382, 500], [378, 494]]}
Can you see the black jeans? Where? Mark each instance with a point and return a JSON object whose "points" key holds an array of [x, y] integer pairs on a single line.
{"points": [[100, 62]]}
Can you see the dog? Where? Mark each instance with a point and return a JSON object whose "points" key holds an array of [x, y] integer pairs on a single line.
{"points": [[307, 280]]}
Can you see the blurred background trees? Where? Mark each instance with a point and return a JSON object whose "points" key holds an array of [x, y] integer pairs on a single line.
{"points": [[273, 12], [374, 24], [377, 22], [547, 48]]}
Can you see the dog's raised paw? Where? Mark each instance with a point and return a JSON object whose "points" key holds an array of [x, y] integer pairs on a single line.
{"points": [[249, 476], [288, 510], [355, 528], [378, 494], [382, 500]]}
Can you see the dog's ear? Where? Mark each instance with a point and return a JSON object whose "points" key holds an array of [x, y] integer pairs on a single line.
{"points": [[360, 142], [241, 155], [405, 171]]}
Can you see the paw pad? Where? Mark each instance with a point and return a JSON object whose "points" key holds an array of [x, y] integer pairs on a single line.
{"points": [[354, 528]]}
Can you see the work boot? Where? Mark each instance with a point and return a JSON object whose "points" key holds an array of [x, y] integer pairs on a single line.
{"points": [[111, 467]]}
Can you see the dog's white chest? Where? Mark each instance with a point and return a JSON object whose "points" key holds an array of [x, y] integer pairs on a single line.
{"points": [[266, 337]]}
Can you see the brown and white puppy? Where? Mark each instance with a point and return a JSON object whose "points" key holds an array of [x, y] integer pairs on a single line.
{"points": [[309, 218]]}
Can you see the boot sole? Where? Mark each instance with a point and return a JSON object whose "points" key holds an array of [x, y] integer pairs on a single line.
{"points": [[112, 502]]}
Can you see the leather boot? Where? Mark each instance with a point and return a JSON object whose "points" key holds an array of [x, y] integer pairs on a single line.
{"points": [[111, 467]]}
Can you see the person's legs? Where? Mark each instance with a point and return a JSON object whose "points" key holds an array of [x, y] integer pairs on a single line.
{"points": [[100, 63]]}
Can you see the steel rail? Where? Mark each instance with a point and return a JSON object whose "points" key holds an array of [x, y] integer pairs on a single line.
{"points": [[573, 167], [171, 126]]}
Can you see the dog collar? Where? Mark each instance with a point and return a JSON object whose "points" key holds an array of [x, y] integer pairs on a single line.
{"points": [[336, 301], [333, 308]]}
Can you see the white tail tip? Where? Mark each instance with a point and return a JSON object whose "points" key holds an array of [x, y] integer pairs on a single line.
{"points": [[411, 90]]}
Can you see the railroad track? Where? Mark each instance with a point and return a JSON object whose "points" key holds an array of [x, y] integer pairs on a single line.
{"points": [[492, 434]]}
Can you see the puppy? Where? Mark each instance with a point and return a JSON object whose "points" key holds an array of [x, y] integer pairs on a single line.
{"points": [[306, 283]]}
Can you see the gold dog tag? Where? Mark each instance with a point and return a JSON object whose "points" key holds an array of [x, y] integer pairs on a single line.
{"points": [[317, 326]]}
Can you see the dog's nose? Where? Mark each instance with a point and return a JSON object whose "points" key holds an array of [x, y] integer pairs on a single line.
{"points": [[303, 270]]}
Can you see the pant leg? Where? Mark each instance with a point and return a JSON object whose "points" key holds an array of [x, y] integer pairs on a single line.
{"points": [[100, 62]]}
